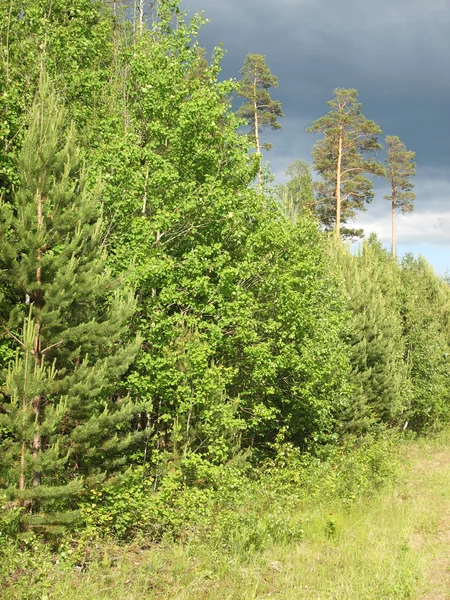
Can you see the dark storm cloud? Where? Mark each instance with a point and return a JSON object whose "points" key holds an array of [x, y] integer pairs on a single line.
{"points": [[396, 53]]}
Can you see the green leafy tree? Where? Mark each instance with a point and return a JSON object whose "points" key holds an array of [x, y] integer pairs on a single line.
{"points": [[287, 348], [59, 420], [399, 168], [77, 41], [342, 158], [297, 195], [216, 364], [259, 110]]}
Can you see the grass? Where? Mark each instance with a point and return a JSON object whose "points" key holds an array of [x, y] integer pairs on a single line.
{"points": [[392, 546]]}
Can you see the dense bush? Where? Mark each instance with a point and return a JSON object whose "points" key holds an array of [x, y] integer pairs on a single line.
{"points": [[259, 336]]}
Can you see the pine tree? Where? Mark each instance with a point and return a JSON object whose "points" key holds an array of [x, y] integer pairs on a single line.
{"points": [[426, 318], [399, 168], [376, 346], [340, 159], [259, 109], [57, 410]]}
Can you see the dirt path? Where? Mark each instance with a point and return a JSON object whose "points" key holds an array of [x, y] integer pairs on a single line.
{"points": [[430, 482]]}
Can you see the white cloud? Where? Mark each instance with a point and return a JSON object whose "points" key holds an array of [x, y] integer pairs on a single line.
{"points": [[415, 228]]}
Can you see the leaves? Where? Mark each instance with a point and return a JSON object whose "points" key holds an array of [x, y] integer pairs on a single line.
{"points": [[341, 159]]}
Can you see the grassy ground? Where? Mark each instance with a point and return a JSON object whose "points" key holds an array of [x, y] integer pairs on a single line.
{"points": [[394, 546]]}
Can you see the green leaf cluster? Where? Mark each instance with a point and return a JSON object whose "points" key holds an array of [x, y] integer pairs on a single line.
{"points": [[158, 310]]}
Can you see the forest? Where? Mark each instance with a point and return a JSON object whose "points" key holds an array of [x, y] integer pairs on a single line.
{"points": [[189, 349]]}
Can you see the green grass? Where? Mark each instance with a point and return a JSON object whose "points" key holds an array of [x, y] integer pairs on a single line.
{"points": [[393, 546]]}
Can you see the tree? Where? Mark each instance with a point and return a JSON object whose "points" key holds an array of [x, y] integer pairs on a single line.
{"points": [[426, 317], [399, 167], [259, 109], [60, 422], [227, 361], [378, 377], [341, 159], [297, 195], [77, 39]]}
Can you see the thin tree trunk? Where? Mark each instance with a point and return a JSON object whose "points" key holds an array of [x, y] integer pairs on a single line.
{"points": [[37, 350], [25, 409], [338, 187], [135, 7], [141, 16], [6, 69], [22, 467], [258, 147], [188, 426], [144, 200], [393, 226]]}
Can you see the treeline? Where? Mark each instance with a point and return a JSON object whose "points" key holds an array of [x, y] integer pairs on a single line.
{"points": [[345, 159], [158, 310]]}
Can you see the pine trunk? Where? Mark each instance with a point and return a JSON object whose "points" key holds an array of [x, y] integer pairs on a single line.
{"points": [[37, 350], [258, 148], [338, 187], [22, 467], [393, 226]]}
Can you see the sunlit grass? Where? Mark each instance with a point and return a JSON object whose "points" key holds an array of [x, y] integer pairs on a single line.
{"points": [[391, 546]]}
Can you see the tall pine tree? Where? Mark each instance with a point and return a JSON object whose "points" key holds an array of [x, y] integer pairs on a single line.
{"points": [[399, 168], [342, 158], [258, 109], [69, 323]]}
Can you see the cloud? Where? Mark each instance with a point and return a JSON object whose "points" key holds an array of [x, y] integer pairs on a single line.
{"points": [[429, 223], [416, 228], [395, 52]]}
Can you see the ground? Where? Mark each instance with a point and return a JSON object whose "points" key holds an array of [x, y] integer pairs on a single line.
{"points": [[392, 546]]}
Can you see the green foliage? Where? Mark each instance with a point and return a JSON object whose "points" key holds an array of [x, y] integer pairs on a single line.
{"points": [[297, 195], [375, 339], [76, 43], [260, 338], [356, 467], [57, 420], [341, 159], [425, 311], [207, 253], [236, 508]]}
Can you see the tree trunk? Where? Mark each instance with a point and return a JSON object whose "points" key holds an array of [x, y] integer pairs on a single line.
{"points": [[393, 225], [22, 466], [258, 147], [6, 69], [144, 200], [338, 187], [37, 349], [135, 8], [141, 16]]}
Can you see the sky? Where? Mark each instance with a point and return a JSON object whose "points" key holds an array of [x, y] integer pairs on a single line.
{"points": [[396, 53]]}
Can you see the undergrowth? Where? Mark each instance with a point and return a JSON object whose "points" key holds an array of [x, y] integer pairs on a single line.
{"points": [[231, 514]]}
